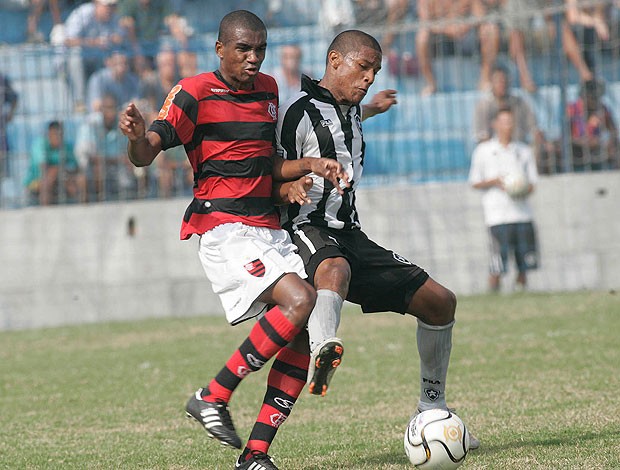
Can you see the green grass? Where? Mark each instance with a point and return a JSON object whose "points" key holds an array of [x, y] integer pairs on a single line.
{"points": [[534, 376]]}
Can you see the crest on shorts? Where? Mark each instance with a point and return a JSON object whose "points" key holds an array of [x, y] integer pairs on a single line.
{"points": [[255, 268]]}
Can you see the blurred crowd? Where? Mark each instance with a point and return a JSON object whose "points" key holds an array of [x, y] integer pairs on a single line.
{"points": [[118, 51]]}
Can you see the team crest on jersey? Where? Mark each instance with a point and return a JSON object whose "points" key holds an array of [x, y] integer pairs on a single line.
{"points": [[401, 259], [255, 268], [273, 111]]}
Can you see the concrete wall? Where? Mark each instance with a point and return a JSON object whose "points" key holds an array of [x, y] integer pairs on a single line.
{"points": [[80, 264]]}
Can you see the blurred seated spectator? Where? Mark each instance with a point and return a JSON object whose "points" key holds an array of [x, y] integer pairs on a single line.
{"points": [[336, 16], [187, 62], [525, 126], [174, 173], [155, 86], [286, 13], [92, 31], [454, 21], [34, 16], [581, 30], [114, 79], [146, 21], [519, 17], [594, 135], [54, 175], [288, 73], [102, 149], [8, 104]]}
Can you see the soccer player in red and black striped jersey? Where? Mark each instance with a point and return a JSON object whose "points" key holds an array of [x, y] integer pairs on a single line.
{"points": [[226, 121]]}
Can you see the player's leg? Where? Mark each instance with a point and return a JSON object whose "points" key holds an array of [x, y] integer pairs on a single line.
{"points": [[330, 273], [286, 380], [272, 278]]}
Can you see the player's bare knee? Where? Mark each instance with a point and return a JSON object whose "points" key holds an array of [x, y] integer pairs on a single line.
{"points": [[333, 274], [300, 305]]}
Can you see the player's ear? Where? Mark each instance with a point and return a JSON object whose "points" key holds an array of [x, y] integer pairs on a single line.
{"points": [[334, 58], [219, 49]]}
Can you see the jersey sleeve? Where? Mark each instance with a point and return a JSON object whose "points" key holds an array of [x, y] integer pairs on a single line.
{"points": [[292, 131], [177, 118]]}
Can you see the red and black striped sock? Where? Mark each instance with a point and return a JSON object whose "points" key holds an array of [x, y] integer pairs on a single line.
{"points": [[287, 379], [270, 334]]}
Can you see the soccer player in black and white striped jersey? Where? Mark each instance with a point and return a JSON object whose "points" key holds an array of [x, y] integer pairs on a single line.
{"points": [[325, 119]]}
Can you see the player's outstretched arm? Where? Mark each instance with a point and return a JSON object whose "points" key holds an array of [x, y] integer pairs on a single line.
{"points": [[143, 146], [379, 103], [332, 170]]}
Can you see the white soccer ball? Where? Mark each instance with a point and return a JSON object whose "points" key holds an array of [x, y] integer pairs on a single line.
{"points": [[515, 184], [436, 440]]}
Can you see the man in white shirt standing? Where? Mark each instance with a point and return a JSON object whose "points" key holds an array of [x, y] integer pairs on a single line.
{"points": [[505, 170]]}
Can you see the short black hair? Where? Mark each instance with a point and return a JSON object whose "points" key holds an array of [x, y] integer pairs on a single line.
{"points": [[352, 40], [54, 125], [239, 19]]}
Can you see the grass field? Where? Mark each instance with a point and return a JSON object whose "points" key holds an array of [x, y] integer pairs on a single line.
{"points": [[535, 376]]}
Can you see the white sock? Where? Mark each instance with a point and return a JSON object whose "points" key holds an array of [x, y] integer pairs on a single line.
{"points": [[325, 318], [434, 347]]}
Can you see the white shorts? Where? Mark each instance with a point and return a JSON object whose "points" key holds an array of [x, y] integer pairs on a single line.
{"points": [[242, 262]]}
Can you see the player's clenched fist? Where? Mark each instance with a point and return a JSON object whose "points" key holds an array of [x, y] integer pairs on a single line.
{"points": [[131, 123]]}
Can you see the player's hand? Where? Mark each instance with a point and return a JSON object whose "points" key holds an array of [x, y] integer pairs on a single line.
{"points": [[331, 170], [380, 103], [131, 123], [298, 191]]}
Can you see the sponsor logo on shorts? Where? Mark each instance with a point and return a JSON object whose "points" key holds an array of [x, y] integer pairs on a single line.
{"points": [[255, 268], [401, 259], [431, 393]]}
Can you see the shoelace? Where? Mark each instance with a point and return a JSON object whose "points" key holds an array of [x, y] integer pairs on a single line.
{"points": [[225, 414]]}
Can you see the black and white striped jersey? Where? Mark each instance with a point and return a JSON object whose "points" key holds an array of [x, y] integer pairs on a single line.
{"points": [[312, 124]]}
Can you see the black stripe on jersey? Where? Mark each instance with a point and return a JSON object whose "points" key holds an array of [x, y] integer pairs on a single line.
{"points": [[167, 132], [247, 168], [231, 131], [245, 207], [188, 104], [291, 120], [249, 98]]}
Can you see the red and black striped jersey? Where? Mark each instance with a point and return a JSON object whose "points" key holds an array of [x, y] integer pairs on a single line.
{"points": [[229, 136]]}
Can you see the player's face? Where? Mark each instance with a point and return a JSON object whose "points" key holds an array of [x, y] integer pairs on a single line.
{"points": [[241, 56], [354, 74]]}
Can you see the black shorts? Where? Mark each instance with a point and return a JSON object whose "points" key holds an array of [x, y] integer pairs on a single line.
{"points": [[518, 239], [381, 280]]}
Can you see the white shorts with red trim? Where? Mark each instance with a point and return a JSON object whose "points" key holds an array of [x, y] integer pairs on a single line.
{"points": [[242, 262]]}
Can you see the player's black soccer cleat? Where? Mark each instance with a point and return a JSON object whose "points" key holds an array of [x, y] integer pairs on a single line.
{"points": [[323, 362], [258, 461], [215, 418]]}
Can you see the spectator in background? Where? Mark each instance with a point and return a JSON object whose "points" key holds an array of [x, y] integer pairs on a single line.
{"points": [[34, 15], [187, 62], [8, 105], [507, 212], [114, 79], [288, 74], [54, 175], [525, 127], [579, 35], [594, 135], [453, 20], [146, 21], [518, 16], [92, 32], [101, 148], [175, 175], [155, 86]]}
